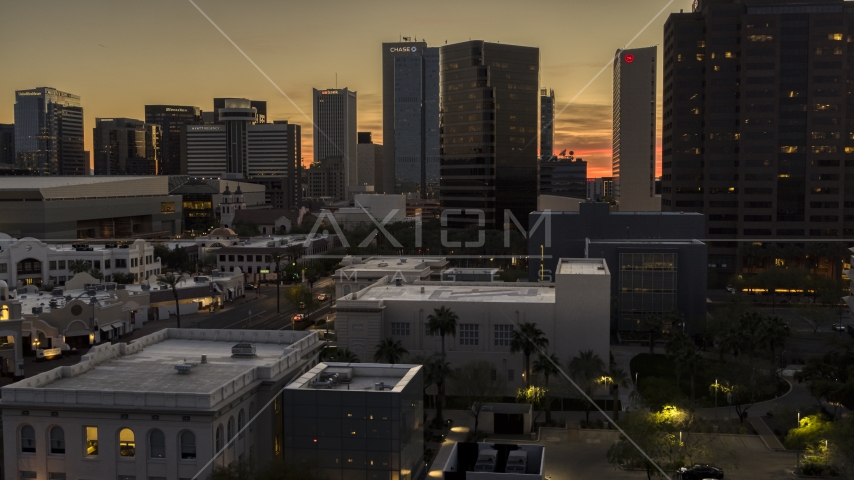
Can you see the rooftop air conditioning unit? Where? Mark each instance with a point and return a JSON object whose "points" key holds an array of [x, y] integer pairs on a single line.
{"points": [[243, 350]]}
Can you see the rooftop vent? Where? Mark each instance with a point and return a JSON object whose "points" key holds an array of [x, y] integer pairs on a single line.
{"points": [[383, 264], [56, 292], [243, 350], [402, 260], [398, 282], [185, 367]]}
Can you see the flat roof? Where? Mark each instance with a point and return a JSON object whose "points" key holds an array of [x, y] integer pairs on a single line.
{"points": [[458, 292], [582, 266], [358, 377], [51, 181], [145, 368]]}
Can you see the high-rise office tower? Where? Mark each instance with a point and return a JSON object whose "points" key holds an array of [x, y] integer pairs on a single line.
{"points": [[237, 114], [370, 161], [49, 132], [335, 129], [171, 119], [490, 120], [547, 127], [7, 144], [260, 107], [410, 119], [757, 129], [563, 177], [293, 189], [125, 146], [203, 150], [633, 153]]}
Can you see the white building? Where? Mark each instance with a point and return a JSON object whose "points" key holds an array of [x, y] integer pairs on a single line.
{"points": [[357, 273], [357, 420], [573, 312], [256, 255], [634, 130], [29, 261], [159, 407]]}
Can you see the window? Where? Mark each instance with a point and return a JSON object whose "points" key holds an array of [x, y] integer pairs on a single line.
{"points": [[56, 476], [98, 264], [157, 444], [469, 333], [107, 263], [511, 375], [241, 422], [218, 439], [61, 264], [503, 335], [57, 441], [3, 268], [188, 446], [91, 441], [230, 430], [121, 263], [52, 265], [400, 329], [28, 474], [127, 447], [28, 439]]}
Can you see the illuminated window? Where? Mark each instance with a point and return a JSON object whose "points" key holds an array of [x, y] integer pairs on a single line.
{"points": [[700, 57], [824, 149], [761, 38], [729, 55], [789, 149], [834, 36], [127, 446], [4, 312], [91, 441]]}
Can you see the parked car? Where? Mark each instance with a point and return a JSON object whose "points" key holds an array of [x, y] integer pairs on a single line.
{"points": [[322, 297], [699, 472], [298, 317], [839, 327], [250, 286]]}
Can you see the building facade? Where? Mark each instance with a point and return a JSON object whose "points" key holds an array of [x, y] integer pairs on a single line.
{"points": [[633, 151], [547, 124], [7, 144], [490, 122], [563, 177], [370, 162], [49, 132], [328, 179], [203, 150], [599, 188], [203, 410], [171, 120], [756, 122], [410, 119], [335, 131], [125, 146]]}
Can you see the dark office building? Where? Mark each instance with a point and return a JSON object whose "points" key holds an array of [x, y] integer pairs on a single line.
{"points": [[49, 132], [282, 191], [563, 177], [7, 144], [260, 107], [489, 123], [171, 119], [656, 259], [757, 128], [410, 119], [547, 123], [125, 146]]}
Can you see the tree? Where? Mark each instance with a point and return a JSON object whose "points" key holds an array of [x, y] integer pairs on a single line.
{"points": [[830, 377], [436, 370], [123, 278], [642, 428], [477, 383], [548, 366], [96, 274], [534, 396], [162, 251], [444, 322], [300, 294], [586, 369], [685, 355], [340, 355], [78, 266], [617, 377], [390, 351], [246, 229], [653, 326], [172, 281], [773, 333], [527, 338]]}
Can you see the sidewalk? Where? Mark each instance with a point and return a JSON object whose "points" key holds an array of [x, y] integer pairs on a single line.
{"points": [[765, 433], [458, 433]]}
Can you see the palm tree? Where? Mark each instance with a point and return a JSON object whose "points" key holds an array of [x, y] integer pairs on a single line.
{"points": [[586, 369], [390, 350], [617, 377], [548, 366], [527, 338], [444, 322], [78, 266], [436, 371], [341, 355], [773, 334], [172, 281]]}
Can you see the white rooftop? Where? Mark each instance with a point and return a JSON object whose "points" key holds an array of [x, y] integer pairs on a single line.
{"points": [[36, 182], [582, 266], [142, 373], [458, 292], [355, 377]]}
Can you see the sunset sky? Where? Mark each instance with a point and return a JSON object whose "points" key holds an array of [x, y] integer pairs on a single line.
{"points": [[119, 55]]}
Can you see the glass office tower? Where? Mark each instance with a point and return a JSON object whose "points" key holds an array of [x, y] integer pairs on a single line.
{"points": [[171, 120], [49, 132], [489, 123], [410, 119]]}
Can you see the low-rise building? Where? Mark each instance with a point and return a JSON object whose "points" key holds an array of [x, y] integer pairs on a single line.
{"points": [[573, 312], [271, 221], [195, 293], [357, 273], [29, 261], [257, 254], [161, 406], [471, 275], [495, 461], [367, 209], [357, 420]]}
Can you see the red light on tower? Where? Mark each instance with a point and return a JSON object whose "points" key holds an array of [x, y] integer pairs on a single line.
{"points": [[629, 58]]}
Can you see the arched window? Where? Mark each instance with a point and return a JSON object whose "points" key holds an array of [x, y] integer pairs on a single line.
{"points": [[157, 444], [219, 438], [251, 414], [230, 428], [188, 446], [28, 439], [127, 446], [346, 289], [57, 441], [241, 422]]}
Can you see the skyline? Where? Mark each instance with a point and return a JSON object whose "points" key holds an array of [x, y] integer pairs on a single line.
{"points": [[193, 63]]}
